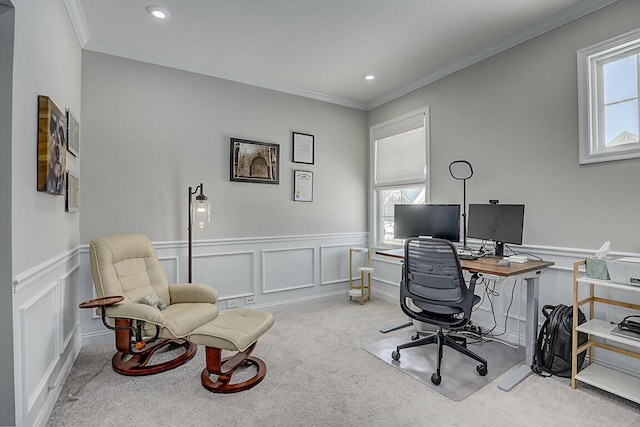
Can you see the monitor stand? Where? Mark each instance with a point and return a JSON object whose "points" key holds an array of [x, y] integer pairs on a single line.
{"points": [[499, 253]]}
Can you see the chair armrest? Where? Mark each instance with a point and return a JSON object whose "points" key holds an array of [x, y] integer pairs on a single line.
{"points": [[102, 302], [136, 311], [192, 292]]}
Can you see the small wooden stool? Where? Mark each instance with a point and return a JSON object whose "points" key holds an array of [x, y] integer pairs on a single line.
{"points": [[365, 296], [363, 292]]}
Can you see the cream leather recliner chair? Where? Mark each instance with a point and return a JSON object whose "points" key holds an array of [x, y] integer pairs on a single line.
{"points": [[146, 312]]}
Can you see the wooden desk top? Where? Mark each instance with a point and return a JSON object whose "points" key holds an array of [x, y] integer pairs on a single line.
{"points": [[485, 264]]}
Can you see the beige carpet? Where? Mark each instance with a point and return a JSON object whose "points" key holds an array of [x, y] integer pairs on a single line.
{"points": [[320, 375], [458, 372]]}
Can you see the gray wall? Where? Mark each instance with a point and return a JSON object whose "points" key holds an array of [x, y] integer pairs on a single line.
{"points": [[46, 62], [515, 118], [150, 132], [7, 397]]}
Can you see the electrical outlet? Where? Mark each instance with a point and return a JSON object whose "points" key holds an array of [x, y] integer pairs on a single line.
{"points": [[250, 300], [232, 303]]}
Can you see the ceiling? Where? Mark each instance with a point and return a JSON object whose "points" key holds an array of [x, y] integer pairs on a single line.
{"points": [[320, 49]]}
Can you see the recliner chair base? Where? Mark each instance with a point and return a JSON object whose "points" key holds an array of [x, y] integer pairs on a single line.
{"points": [[135, 363], [227, 367]]}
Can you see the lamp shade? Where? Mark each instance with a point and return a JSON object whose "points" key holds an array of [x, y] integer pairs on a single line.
{"points": [[201, 211]]}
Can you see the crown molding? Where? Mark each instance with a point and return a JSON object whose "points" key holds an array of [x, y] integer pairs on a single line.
{"points": [[571, 14], [86, 42], [79, 23], [194, 67]]}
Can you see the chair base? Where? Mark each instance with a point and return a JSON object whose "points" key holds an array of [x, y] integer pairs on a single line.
{"points": [[227, 367], [136, 362], [459, 344]]}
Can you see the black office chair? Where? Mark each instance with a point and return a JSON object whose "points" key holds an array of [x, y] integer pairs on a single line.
{"points": [[433, 290]]}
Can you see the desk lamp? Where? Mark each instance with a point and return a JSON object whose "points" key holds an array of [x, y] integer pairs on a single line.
{"points": [[461, 169], [199, 213]]}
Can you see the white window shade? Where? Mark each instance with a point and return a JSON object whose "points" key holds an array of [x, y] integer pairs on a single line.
{"points": [[401, 158]]}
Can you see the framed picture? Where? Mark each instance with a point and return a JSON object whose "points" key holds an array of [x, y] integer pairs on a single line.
{"points": [[73, 134], [302, 148], [302, 186], [252, 161], [52, 147], [73, 193]]}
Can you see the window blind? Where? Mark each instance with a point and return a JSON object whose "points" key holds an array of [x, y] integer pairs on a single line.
{"points": [[400, 156]]}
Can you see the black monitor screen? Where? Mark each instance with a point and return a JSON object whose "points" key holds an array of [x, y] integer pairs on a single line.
{"points": [[500, 223], [439, 221]]}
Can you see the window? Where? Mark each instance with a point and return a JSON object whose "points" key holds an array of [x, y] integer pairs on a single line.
{"points": [[399, 170], [609, 113]]}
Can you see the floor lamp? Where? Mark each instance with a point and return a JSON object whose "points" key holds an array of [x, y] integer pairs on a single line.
{"points": [[199, 213], [461, 169]]}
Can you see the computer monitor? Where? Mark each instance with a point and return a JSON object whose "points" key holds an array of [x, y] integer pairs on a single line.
{"points": [[439, 221], [499, 223]]}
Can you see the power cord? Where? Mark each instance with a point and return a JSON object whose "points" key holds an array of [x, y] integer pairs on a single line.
{"points": [[73, 396], [489, 292], [506, 317]]}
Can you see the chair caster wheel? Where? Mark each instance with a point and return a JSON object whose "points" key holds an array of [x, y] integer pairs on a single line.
{"points": [[436, 379], [482, 370], [395, 355]]}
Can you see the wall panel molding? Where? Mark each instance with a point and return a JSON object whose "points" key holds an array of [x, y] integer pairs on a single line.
{"points": [[296, 269], [232, 273], [24, 279], [333, 265]]}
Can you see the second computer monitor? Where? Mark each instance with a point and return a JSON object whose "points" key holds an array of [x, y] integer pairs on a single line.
{"points": [[499, 223], [439, 221]]}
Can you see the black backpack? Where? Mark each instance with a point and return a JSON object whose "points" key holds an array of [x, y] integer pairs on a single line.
{"points": [[553, 349]]}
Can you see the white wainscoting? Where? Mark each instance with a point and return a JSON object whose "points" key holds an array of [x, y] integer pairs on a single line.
{"points": [[279, 272], [556, 287], [46, 334]]}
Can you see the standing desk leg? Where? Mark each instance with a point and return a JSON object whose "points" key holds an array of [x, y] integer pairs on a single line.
{"points": [[531, 330]]}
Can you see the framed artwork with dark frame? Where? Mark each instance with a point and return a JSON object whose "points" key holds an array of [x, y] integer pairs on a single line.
{"points": [[303, 149], [52, 147], [73, 193], [73, 134], [253, 161]]}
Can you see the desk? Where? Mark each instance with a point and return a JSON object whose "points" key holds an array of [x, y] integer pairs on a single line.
{"points": [[530, 271]]}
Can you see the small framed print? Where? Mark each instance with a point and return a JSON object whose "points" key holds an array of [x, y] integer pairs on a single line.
{"points": [[253, 161], [73, 134], [302, 186], [303, 148], [73, 193]]}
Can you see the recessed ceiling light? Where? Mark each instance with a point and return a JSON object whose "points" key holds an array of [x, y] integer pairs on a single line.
{"points": [[369, 76], [157, 12]]}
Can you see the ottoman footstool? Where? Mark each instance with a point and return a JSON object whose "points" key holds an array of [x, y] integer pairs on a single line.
{"points": [[236, 330]]}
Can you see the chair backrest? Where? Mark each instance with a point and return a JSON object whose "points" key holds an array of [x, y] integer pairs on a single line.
{"points": [[127, 265], [434, 281]]}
